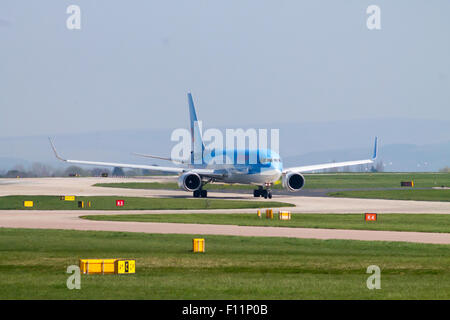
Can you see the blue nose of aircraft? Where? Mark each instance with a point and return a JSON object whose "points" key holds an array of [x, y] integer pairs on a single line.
{"points": [[278, 166]]}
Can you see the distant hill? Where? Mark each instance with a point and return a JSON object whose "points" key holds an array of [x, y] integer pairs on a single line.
{"points": [[409, 144], [10, 163]]}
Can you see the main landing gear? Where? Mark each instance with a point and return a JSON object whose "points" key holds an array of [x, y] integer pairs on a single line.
{"points": [[200, 193], [261, 192]]}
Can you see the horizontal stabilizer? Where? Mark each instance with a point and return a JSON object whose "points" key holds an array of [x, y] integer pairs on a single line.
{"points": [[160, 158]]}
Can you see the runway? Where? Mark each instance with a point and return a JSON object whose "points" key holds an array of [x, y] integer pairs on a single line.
{"points": [[83, 187], [69, 219]]}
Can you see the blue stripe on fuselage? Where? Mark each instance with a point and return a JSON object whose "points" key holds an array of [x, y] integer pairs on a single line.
{"points": [[250, 161]]}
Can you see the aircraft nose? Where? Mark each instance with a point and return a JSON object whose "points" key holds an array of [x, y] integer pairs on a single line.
{"points": [[277, 167]]}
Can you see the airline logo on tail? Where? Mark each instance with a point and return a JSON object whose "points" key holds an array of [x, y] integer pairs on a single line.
{"points": [[197, 146]]}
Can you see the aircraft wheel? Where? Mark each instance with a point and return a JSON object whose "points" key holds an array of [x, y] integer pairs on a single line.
{"points": [[264, 194], [204, 193], [197, 194], [269, 194], [256, 193]]}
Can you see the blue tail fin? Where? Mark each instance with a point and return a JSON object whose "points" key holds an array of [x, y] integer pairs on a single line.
{"points": [[375, 149], [197, 146]]}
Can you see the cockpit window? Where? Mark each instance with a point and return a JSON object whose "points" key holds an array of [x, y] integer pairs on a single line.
{"points": [[269, 160]]}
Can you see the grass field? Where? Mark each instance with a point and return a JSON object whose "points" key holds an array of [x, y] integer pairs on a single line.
{"points": [[131, 203], [320, 181], [394, 222], [33, 265], [409, 194]]}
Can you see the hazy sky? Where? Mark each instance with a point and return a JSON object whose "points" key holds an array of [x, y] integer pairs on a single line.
{"points": [[246, 61]]}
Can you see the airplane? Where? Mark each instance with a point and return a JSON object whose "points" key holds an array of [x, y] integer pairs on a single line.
{"points": [[193, 176]]}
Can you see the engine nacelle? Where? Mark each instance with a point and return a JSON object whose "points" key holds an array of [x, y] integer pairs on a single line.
{"points": [[190, 181], [293, 181]]}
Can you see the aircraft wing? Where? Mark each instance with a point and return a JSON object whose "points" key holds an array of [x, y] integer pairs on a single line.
{"points": [[334, 164], [204, 172], [160, 158]]}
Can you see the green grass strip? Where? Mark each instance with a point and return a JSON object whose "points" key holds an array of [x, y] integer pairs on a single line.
{"points": [[33, 265], [393, 222], [319, 181], [408, 194], [131, 203]]}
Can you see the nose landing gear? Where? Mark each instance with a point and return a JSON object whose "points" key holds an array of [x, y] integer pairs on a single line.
{"points": [[261, 192]]}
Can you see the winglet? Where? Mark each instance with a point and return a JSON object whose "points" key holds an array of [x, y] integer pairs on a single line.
{"points": [[375, 149], [54, 150]]}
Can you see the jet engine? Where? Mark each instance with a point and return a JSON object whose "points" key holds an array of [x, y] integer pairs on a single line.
{"points": [[190, 181], [293, 181]]}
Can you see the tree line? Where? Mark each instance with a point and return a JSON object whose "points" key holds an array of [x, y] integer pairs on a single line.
{"points": [[38, 169]]}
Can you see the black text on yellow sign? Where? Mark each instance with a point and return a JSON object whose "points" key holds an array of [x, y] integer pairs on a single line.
{"points": [[125, 266]]}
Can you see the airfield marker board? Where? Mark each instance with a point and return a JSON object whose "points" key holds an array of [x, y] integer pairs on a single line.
{"points": [[125, 266], [28, 204], [407, 184], [284, 215], [198, 245], [84, 204], [107, 266], [68, 198], [120, 203], [370, 217], [97, 266]]}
